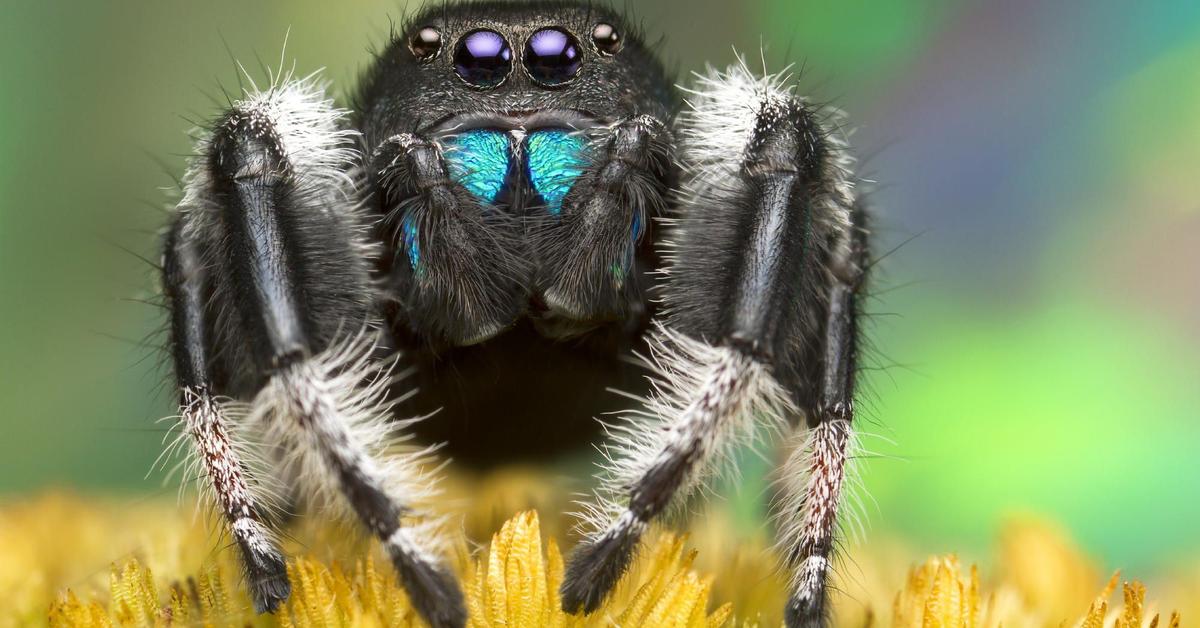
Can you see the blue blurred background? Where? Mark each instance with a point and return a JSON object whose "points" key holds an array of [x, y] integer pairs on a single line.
{"points": [[1037, 331]]}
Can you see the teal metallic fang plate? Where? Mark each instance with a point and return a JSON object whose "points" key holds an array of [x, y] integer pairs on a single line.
{"points": [[478, 159], [555, 159]]}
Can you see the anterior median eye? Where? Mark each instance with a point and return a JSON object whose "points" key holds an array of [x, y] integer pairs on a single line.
{"points": [[552, 57], [483, 59], [478, 159], [555, 159]]}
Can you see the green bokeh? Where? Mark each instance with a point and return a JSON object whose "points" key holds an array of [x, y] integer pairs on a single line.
{"points": [[1070, 410], [847, 39]]}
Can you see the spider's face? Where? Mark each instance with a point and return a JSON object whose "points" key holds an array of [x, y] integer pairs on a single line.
{"points": [[511, 67], [522, 104]]}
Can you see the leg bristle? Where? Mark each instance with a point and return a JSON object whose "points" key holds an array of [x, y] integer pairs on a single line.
{"points": [[332, 410]]}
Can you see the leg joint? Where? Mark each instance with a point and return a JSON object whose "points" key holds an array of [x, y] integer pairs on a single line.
{"points": [[246, 147]]}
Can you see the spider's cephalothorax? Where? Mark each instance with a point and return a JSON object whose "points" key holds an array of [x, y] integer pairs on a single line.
{"points": [[517, 200]]}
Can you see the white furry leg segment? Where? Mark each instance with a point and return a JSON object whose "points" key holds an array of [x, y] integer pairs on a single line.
{"points": [[813, 479], [705, 404], [331, 410], [266, 571]]}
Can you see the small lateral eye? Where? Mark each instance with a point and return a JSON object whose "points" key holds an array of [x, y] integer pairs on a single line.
{"points": [[552, 57], [426, 43], [606, 38]]}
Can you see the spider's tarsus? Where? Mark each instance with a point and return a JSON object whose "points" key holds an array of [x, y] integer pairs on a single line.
{"points": [[433, 590], [595, 567], [268, 581], [808, 613]]}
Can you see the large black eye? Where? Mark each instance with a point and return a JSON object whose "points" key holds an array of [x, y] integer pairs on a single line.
{"points": [[552, 56], [483, 58]]}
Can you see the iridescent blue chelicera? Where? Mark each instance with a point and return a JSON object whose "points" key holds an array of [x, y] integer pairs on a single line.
{"points": [[412, 243], [621, 269], [555, 159], [478, 159]]}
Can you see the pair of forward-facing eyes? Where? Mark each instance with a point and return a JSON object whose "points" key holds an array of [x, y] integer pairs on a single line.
{"points": [[484, 59]]}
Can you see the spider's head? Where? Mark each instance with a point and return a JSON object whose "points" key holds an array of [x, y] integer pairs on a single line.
{"points": [[520, 103], [511, 64]]}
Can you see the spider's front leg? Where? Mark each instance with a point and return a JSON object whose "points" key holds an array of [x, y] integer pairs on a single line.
{"points": [[267, 275], [758, 329]]}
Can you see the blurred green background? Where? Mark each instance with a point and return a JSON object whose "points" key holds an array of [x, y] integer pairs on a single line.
{"points": [[1037, 341]]}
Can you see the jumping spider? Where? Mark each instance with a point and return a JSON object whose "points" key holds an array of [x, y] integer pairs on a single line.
{"points": [[518, 198]]}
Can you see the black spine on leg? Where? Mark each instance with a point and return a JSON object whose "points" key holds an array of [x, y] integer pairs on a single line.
{"points": [[186, 291]]}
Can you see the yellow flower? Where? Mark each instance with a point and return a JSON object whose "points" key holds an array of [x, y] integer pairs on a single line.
{"points": [[514, 584], [938, 594], [165, 569]]}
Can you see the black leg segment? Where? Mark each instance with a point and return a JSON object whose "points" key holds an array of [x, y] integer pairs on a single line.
{"points": [[253, 181]]}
